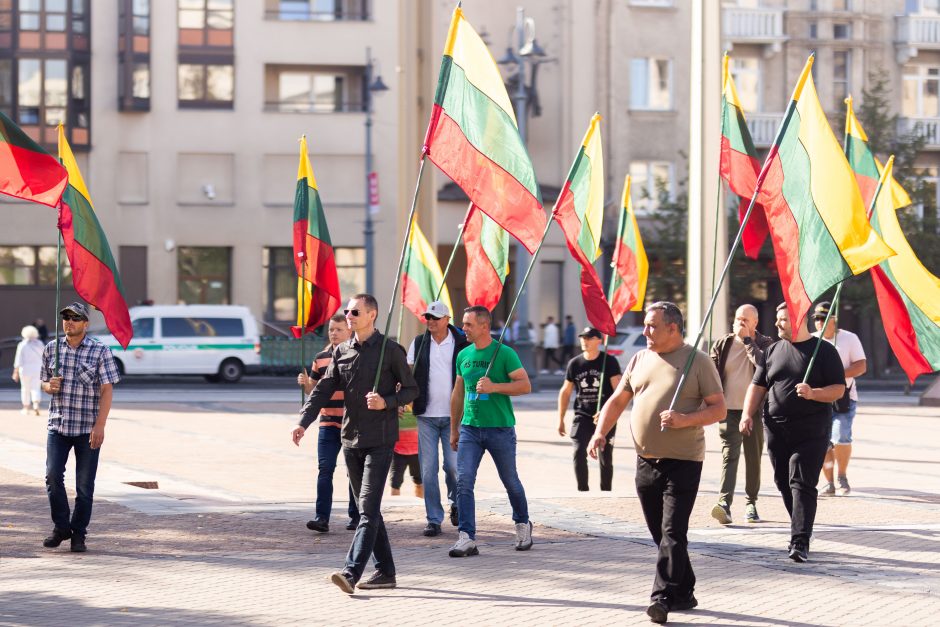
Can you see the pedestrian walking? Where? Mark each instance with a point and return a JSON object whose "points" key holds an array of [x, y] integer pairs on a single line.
{"points": [[798, 420], [551, 342], [583, 378], [79, 373], [369, 433], [435, 370], [27, 365], [736, 355], [405, 456], [329, 442], [855, 364], [568, 340], [482, 421], [670, 445]]}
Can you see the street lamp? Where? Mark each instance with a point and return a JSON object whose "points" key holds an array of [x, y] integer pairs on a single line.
{"points": [[370, 86]]}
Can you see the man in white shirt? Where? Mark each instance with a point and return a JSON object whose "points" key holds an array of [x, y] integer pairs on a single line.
{"points": [[843, 412], [551, 342], [434, 370]]}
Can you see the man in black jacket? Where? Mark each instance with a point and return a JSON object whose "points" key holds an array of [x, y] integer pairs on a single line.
{"points": [[435, 371], [736, 356], [369, 433]]}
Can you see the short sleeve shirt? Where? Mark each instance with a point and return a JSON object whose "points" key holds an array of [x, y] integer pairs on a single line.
{"points": [[850, 350], [653, 378], [84, 369], [586, 376], [487, 410]]}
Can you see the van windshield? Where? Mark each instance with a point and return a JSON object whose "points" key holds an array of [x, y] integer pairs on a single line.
{"points": [[202, 327]]}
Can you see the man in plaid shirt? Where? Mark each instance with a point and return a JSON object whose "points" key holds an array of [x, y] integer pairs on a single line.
{"points": [[81, 393]]}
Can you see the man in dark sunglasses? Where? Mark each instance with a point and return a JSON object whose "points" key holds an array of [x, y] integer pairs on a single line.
{"points": [[369, 433], [79, 373]]}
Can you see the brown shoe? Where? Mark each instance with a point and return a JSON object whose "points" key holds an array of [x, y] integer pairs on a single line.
{"points": [[419, 491]]}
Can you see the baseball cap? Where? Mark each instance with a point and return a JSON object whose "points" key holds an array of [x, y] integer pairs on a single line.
{"points": [[437, 309], [590, 332], [822, 310], [79, 309]]}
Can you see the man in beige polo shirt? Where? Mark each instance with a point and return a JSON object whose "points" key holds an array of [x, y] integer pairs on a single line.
{"points": [[670, 445]]}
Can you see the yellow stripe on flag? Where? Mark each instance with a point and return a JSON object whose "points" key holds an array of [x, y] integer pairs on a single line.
{"points": [[71, 166], [594, 211], [305, 169], [304, 296], [642, 262], [424, 254]]}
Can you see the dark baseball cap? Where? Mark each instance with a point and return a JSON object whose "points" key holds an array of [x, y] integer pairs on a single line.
{"points": [[822, 310], [590, 332], [79, 309]]}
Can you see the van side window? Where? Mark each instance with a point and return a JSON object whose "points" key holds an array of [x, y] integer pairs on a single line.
{"points": [[202, 327], [143, 328]]}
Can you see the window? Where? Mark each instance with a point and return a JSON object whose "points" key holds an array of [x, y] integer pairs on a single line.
{"points": [[32, 265], [651, 84], [651, 180], [317, 10], [841, 5], [746, 74], [206, 72], [134, 55], [351, 268], [300, 89], [206, 23], [920, 93], [841, 71], [929, 186], [841, 31], [143, 328], [201, 327], [204, 275], [922, 7], [48, 24], [6, 87], [206, 85], [813, 30], [279, 276]]}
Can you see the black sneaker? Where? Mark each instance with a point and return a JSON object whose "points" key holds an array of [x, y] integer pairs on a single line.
{"points": [[432, 529], [58, 537], [799, 551], [453, 515], [351, 524], [344, 581], [658, 612], [378, 580], [78, 544], [318, 525], [684, 604]]}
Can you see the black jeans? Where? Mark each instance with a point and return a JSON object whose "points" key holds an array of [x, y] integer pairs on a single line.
{"points": [[399, 464], [368, 470], [797, 456], [582, 431], [86, 467], [667, 489]]}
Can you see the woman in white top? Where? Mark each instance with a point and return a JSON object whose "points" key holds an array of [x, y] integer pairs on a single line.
{"points": [[26, 367]]}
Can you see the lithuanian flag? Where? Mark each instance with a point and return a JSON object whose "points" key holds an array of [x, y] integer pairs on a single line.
{"points": [[631, 268], [487, 247], [318, 295], [866, 166], [580, 213], [474, 139], [94, 273], [739, 166], [421, 276], [818, 224], [27, 171]]}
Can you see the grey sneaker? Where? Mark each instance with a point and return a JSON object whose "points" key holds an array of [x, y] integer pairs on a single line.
{"points": [[844, 488], [378, 580], [750, 513], [344, 581], [722, 513], [524, 536], [464, 547], [829, 490]]}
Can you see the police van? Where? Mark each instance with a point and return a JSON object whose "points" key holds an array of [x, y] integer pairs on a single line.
{"points": [[220, 342]]}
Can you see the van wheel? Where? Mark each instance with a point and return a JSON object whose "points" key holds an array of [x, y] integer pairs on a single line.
{"points": [[120, 366], [231, 370]]}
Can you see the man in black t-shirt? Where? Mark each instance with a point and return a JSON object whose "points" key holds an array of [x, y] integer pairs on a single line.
{"points": [[584, 376], [799, 417]]}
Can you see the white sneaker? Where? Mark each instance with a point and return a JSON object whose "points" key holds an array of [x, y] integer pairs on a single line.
{"points": [[543, 371], [524, 536], [464, 547]]}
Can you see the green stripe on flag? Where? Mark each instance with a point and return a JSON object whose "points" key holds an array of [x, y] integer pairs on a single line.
{"points": [[861, 159], [88, 232]]}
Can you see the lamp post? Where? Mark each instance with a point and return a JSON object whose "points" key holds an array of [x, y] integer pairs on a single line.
{"points": [[368, 88]]}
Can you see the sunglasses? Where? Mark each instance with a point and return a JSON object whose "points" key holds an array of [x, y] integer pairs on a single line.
{"points": [[351, 312], [429, 317], [73, 318]]}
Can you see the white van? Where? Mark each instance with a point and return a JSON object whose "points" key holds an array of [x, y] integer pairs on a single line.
{"points": [[220, 342]]}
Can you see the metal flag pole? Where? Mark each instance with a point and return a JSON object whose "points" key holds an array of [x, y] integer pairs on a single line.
{"points": [[304, 317], [58, 290]]}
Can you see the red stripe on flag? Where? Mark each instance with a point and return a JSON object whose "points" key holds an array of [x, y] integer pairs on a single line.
{"points": [[320, 270], [29, 175], [627, 293], [94, 282], [411, 296], [488, 185], [867, 186], [898, 326], [483, 285], [740, 171]]}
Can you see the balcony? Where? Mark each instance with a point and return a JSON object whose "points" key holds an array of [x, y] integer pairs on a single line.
{"points": [[763, 128], [753, 26], [927, 128], [916, 32], [317, 11]]}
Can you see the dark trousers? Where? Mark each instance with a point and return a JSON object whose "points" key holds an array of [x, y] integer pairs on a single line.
{"points": [[667, 490], [399, 464], [732, 441], [328, 447], [797, 457], [368, 470], [86, 467], [581, 433], [551, 355]]}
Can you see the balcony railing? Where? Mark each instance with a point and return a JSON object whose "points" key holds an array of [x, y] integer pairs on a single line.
{"points": [[288, 106], [919, 31], [927, 128], [306, 15], [763, 127], [753, 25]]}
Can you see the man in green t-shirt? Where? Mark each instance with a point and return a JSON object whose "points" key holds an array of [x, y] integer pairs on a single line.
{"points": [[481, 420]]}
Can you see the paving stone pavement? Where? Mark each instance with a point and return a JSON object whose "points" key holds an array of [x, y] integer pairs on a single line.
{"points": [[222, 540]]}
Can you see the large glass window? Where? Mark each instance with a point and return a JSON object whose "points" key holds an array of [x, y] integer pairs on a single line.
{"points": [[922, 7], [134, 55], [746, 74], [32, 265], [351, 268], [920, 92], [204, 275], [206, 85], [317, 10], [650, 180], [206, 23], [300, 89], [279, 277], [841, 73], [206, 71], [651, 84]]}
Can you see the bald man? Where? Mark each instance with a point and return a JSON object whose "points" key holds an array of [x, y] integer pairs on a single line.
{"points": [[736, 356]]}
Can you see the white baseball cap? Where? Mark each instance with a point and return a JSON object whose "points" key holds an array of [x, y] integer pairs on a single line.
{"points": [[437, 309]]}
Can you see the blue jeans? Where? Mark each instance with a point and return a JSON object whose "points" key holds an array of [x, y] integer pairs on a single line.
{"points": [[431, 432], [328, 448], [368, 471], [86, 467], [500, 442], [842, 425]]}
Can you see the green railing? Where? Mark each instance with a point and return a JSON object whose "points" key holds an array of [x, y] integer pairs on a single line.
{"points": [[282, 354]]}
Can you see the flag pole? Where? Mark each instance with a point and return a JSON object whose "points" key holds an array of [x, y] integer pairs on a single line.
{"points": [[835, 298], [718, 214], [304, 317], [58, 290], [401, 261], [771, 155]]}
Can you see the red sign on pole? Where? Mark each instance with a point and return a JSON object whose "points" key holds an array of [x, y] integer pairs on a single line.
{"points": [[373, 193]]}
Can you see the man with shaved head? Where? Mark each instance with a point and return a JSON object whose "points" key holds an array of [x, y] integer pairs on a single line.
{"points": [[736, 356]]}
